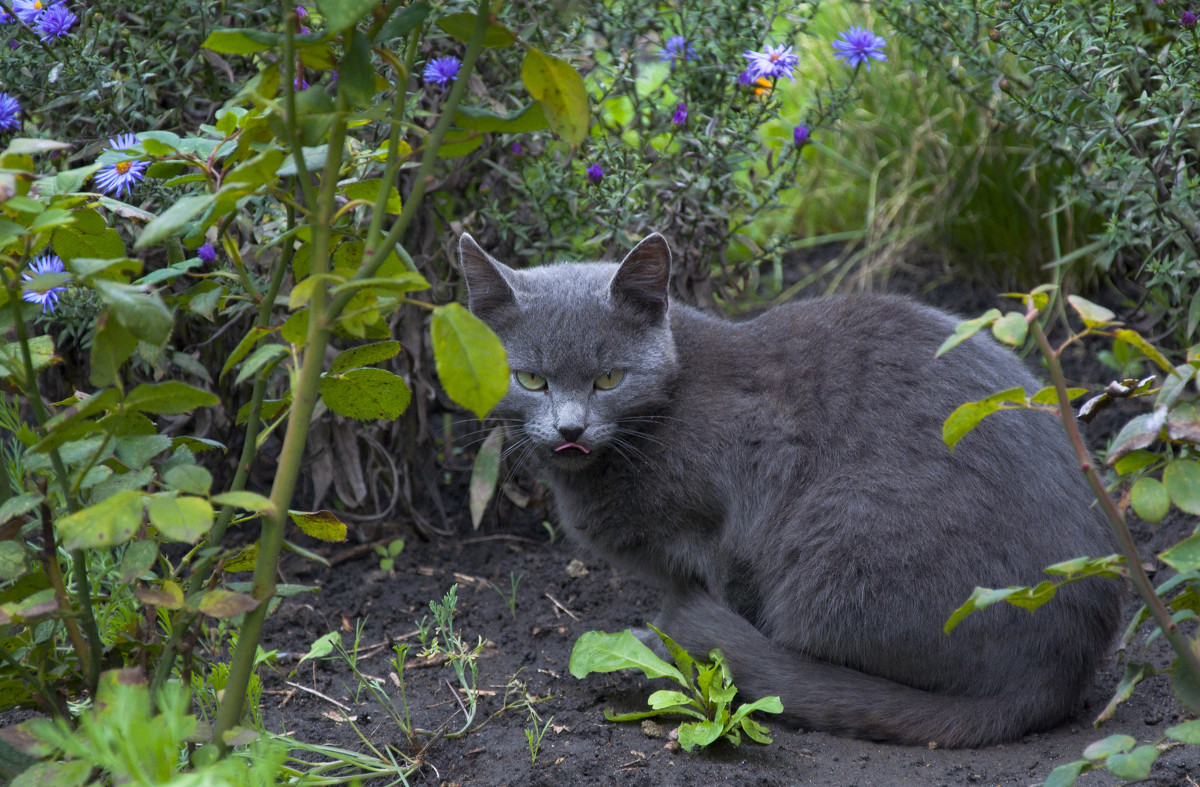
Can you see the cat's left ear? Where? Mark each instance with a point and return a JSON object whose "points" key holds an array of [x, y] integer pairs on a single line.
{"points": [[644, 275]]}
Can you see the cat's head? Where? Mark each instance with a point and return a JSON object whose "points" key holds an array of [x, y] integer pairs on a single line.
{"points": [[589, 346]]}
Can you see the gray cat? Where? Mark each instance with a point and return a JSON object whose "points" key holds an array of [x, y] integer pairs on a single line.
{"points": [[785, 481]]}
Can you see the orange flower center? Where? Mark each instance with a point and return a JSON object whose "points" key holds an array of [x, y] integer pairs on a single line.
{"points": [[761, 86], [38, 5], [123, 167]]}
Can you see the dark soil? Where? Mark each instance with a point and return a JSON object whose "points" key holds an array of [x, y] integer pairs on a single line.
{"points": [[553, 609]]}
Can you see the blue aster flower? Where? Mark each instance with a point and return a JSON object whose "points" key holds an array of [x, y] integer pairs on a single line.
{"points": [[800, 135], [677, 48], [442, 70], [5, 17], [680, 116], [30, 11], [56, 22], [774, 61], [10, 113], [120, 175], [859, 45], [47, 263], [207, 254], [595, 173]]}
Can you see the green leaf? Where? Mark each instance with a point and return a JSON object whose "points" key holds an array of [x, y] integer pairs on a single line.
{"points": [[562, 93], [364, 355], [243, 347], [141, 312], [966, 329], [180, 518], [247, 501], [340, 14], [1150, 499], [1133, 766], [1106, 747], [220, 603], [12, 362], [169, 398], [1149, 350], [1182, 479], [136, 451], [365, 394], [531, 118], [459, 142], [112, 345], [228, 41], [699, 733], [471, 361], [1184, 556], [369, 190], [169, 223], [1188, 732], [484, 473], [1049, 395], [117, 268], [1092, 314], [69, 243], [24, 146], [319, 524], [110, 522], [1011, 329], [138, 559], [71, 773], [356, 77], [667, 699], [322, 647], [168, 595], [49, 219], [1134, 674], [1066, 775], [20, 504], [1134, 461], [599, 651], [968, 416], [406, 21], [188, 478], [12, 560], [261, 362], [459, 26]]}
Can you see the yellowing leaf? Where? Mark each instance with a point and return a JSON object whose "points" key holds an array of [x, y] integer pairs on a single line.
{"points": [[561, 90], [320, 524]]}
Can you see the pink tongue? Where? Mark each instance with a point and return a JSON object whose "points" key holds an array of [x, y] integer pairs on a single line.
{"points": [[565, 446]]}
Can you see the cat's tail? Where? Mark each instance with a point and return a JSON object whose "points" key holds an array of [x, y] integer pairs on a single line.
{"points": [[822, 696]]}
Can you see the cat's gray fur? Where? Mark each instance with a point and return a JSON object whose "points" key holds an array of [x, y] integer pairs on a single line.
{"points": [[785, 481]]}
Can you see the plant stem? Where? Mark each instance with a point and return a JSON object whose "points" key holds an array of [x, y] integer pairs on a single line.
{"points": [[1188, 660], [304, 400]]}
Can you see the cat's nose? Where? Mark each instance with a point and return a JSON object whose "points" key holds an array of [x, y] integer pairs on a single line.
{"points": [[570, 433]]}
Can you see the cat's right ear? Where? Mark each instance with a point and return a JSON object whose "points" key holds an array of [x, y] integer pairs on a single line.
{"points": [[488, 287], [643, 276]]}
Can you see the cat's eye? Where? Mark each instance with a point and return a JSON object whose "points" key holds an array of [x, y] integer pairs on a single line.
{"points": [[534, 382], [610, 379]]}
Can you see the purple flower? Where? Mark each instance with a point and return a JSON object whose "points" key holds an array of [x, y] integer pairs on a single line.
{"points": [[48, 299], [677, 48], [301, 12], [120, 175], [30, 11], [1187, 19], [858, 46], [10, 113], [516, 149], [299, 83], [123, 142], [594, 173], [5, 18], [800, 135], [56, 22], [442, 70], [680, 116], [774, 62], [207, 254]]}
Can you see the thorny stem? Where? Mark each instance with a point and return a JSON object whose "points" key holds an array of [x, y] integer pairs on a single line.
{"points": [[1188, 659]]}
